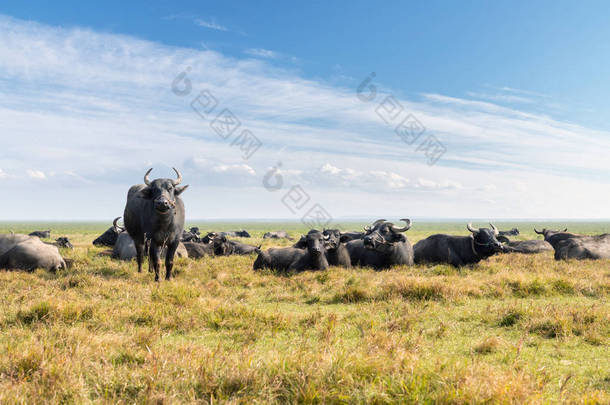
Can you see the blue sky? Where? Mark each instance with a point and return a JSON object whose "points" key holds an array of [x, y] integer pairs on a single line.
{"points": [[514, 91]]}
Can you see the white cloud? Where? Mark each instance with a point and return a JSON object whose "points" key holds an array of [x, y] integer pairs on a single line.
{"points": [[210, 24], [261, 53], [3, 174], [100, 106], [36, 174]]}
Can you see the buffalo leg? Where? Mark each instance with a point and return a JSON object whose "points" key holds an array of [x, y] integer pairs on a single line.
{"points": [[169, 258], [155, 258], [139, 255]]}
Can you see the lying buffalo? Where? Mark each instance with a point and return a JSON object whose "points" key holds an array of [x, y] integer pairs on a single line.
{"points": [[197, 250], [28, 253], [155, 211], [236, 234], [41, 234], [527, 246], [383, 246], [459, 250], [191, 236], [336, 251], [309, 254], [554, 237], [585, 247], [109, 237], [277, 235], [226, 247], [63, 242]]}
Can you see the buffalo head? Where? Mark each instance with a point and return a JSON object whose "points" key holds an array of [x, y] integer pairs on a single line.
{"points": [[383, 235], [315, 242], [64, 242], [163, 192], [485, 240], [335, 238]]}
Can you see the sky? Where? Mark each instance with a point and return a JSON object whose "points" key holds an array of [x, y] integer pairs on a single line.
{"points": [[487, 110]]}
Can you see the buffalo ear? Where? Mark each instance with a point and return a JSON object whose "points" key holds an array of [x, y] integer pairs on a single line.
{"points": [[146, 193], [399, 237], [179, 190], [302, 243]]}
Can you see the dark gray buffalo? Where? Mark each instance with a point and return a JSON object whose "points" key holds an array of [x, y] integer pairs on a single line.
{"points": [[527, 247], [28, 253], [198, 250], [125, 249], [277, 235], [41, 234], [504, 236], [586, 247], [226, 247], [554, 237], [382, 247], [155, 211], [309, 254], [336, 251], [63, 242], [459, 250], [109, 237]]}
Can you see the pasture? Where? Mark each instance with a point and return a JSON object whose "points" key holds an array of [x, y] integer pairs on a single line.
{"points": [[513, 329]]}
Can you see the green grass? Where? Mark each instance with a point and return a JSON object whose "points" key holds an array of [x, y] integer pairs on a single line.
{"points": [[513, 329]]}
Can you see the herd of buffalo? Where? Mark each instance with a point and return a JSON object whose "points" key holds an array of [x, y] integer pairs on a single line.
{"points": [[154, 226]]}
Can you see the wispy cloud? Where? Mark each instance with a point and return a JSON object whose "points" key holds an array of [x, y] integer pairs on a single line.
{"points": [[96, 109], [261, 53], [210, 24]]}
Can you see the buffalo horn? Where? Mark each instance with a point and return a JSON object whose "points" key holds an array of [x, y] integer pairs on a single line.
{"points": [[146, 179]]}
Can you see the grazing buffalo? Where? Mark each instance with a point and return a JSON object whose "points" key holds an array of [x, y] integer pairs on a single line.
{"points": [[226, 247], [28, 253], [459, 250], [554, 237], [585, 247], [336, 251], [526, 246], [383, 246], [197, 250], [41, 234], [155, 211], [309, 254], [109, 237], [277, 235]]}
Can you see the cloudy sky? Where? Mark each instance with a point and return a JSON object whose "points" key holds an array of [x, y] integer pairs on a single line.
{"points": [[270, 111]]}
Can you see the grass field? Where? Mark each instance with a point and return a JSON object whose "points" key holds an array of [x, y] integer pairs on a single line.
{"points": [[513, 329]]}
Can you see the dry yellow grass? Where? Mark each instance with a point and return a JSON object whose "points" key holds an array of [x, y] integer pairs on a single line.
{"points": [[514, 329]]}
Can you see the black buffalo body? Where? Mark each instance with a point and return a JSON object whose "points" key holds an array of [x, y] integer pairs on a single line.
{"points": [[459, 250], [41, 234], [309, 254], [155, 211], [226, 247], [277, 235], [109, 237], [383, 246]]}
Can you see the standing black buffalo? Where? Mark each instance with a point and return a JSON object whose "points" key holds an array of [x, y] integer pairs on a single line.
{"points": [[41, 234], [383, 246], [308, 254], [154, 211], [459, 250], [109, 237]]}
